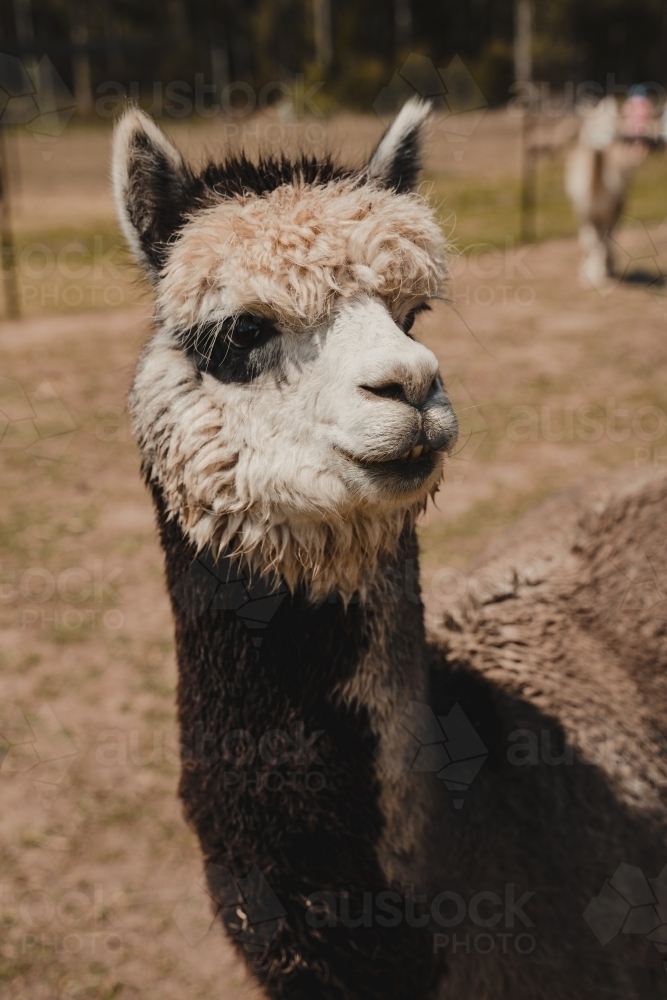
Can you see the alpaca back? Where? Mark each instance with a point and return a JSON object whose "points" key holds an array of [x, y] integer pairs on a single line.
{"points": [[569, 608], [557, 654]]}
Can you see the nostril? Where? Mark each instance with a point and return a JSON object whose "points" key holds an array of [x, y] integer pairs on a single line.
{"points": [[433, 389], [389, 390]]}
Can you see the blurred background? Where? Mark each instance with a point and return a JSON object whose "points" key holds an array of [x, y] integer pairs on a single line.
{"points": [[292, 72], [353, 48], [557, 372]]}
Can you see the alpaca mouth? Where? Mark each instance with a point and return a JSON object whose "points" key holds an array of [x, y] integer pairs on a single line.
{"points": [[409, 470], [413, 453]]}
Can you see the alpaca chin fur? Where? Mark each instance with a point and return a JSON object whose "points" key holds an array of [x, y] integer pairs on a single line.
{"points": [[340, 556], [296, 250]]}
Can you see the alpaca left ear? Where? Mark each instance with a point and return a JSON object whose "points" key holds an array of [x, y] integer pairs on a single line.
{"points": [[397, 160], [152, 188]]}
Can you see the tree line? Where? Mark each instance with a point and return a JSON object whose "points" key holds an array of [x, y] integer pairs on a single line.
{"points": [[353, 48]]}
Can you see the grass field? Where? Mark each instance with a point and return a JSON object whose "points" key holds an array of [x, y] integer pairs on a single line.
{"points": [[99, 877]]}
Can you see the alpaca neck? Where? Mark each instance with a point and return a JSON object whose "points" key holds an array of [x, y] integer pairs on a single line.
{"points": [[257, 660], [364, 643]]}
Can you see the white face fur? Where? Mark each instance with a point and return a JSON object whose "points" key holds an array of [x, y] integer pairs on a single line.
{"points": [[281, 406]]}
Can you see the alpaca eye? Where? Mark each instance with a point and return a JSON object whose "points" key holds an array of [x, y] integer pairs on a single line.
{"points": [[409, 320], [248, 332], [230, 351]]}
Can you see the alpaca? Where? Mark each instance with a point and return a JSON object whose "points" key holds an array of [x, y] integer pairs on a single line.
{"points": [[598, 172], [291, 430]]}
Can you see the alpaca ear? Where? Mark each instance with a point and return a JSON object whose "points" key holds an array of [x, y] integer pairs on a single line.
{"points": [[152, 188], [397, 160]]}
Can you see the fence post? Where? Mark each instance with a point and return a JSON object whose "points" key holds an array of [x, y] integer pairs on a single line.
{"points": [[523, 73], [7, 252]]}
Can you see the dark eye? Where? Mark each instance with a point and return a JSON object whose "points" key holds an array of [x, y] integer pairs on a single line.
{"points": [[409, 320], [247, 332], [231, 350]]}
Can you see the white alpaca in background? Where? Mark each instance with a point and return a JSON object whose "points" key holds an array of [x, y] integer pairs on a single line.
{"points": [[598, 172]]}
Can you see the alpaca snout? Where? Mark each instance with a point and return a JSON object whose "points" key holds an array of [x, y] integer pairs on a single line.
{"points": [[440, 428], [388, 426], [435, 426], [411, 378], [409, 390]]}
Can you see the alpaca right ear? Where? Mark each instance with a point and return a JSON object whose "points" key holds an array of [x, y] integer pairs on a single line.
{"points": [[152, 188], [397, 160]]}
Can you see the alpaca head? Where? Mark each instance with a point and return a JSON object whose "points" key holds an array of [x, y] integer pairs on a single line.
{"points": [[282, 407]]}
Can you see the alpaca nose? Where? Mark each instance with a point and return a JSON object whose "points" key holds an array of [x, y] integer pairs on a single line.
{"points": [[412, 391]]}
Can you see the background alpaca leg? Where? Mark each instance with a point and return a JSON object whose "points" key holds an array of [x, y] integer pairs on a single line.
{"points": [[609, 259], [596, 268]]}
